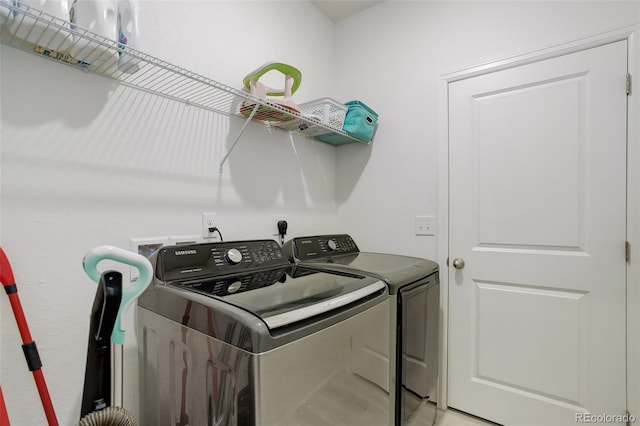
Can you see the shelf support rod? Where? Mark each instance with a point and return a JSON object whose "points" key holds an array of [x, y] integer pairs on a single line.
{"points": [[244, 126]]}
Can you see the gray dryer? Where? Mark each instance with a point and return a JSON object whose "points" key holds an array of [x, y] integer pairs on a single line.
{"points": [[414, 311]]}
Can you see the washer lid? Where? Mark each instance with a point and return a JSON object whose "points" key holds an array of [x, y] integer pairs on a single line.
{"points": [[279, 315], [285, 296]]}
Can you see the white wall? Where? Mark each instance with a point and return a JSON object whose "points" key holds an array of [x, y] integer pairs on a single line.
{"points": [[87, 162], [100, 163], [392, 56]]}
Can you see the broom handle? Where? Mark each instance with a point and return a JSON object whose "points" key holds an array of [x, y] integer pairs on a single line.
{"points": [[33, 359], [29, 346], [4, 416], [45, 397]]}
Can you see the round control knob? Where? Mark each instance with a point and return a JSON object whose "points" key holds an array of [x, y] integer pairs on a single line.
{"points": [[233, 256], [234, 286], [332, 245]]}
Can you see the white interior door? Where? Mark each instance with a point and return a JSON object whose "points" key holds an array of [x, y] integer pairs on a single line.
{"points": [[537, 213]]}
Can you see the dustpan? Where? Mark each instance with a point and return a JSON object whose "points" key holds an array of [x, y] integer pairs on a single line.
{"points": [[281, 98]]}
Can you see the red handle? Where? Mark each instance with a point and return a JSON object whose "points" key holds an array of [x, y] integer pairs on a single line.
{"points": [[6, 274], [4, 417], [8, 281]]}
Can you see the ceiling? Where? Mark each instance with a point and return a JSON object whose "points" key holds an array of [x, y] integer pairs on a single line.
{"points": [[339, 10]]}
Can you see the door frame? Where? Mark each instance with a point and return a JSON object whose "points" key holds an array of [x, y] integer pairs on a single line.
{"points": [[630, 34]]}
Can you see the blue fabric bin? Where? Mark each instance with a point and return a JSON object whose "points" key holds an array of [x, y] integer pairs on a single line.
{"points": [[360, 121]]}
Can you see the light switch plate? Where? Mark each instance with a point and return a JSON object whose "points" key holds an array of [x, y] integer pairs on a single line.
{"points": [[425, 225]]}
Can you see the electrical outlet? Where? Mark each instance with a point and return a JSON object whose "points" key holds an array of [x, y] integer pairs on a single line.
{"points": [[274, 223], [425, 225], [209, 221]]}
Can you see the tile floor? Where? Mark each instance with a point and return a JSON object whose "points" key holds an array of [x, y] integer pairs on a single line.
{"points": [[445, 418], [348, 400]]}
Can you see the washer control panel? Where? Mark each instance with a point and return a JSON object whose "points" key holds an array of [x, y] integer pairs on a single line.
{"points": [[195, 261], [320, 246], [247, 253]]}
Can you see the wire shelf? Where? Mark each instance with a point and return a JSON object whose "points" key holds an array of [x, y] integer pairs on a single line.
{"points": [[50, 37]]}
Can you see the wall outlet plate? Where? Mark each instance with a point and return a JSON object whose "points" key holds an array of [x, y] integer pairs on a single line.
{"points": [[209, 221]]}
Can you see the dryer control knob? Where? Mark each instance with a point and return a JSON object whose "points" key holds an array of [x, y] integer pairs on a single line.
{"points": [[333, 246], [233, 256]]}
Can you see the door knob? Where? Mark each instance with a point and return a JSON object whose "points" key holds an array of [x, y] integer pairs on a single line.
{"points": [[458, 263]]}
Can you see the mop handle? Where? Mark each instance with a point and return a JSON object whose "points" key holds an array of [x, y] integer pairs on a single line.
{"points": [[129, 293], [29, 346], [4, 416], [6, 273]]}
